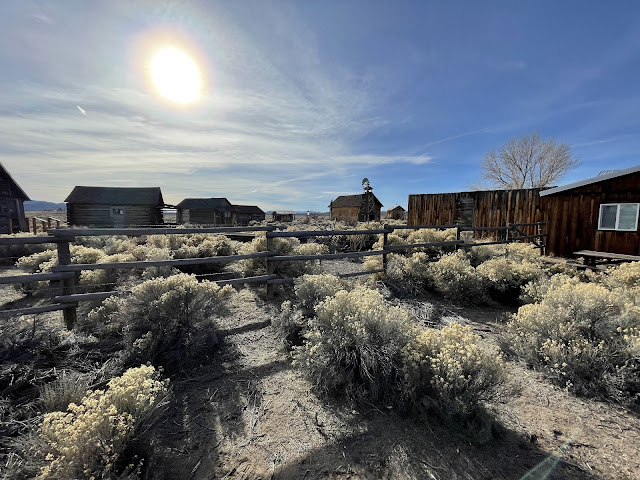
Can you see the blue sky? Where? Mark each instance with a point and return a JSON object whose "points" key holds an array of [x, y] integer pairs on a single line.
{"points": [[302, 99]]}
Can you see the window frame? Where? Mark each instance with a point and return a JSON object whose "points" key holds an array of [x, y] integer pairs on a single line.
{"points": [[617, 228], [117, 211]]}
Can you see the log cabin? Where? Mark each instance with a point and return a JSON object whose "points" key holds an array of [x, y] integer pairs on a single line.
{"points": [[348, 208], [12, 199], [205, 211], [114, 207], [396, 212]]}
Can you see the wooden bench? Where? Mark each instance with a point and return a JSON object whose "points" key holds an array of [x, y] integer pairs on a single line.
{"points": [[591, 256]]}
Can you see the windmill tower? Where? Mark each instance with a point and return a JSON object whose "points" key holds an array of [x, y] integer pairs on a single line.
{"points": [[367, 210]]}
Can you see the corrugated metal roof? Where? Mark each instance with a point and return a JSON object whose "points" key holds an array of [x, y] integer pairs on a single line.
{"points": [[350, 201], [248, 209], [606, 172], [221, 204], [116, 195], [20, 193], [589, 181]]}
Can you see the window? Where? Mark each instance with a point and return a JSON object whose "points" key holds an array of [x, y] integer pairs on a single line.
{"points": [[117, 211], [619, 216]]}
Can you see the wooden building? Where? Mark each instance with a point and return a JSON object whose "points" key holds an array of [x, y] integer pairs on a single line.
{"points": [[205, 211], [486, 208], [114, 206], [599, 213], [243, 214], [283, 216], [12, 199], [396, 212], [349, 208]]}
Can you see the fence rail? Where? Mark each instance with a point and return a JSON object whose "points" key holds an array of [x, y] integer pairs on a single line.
{"points": [[67, 273]]}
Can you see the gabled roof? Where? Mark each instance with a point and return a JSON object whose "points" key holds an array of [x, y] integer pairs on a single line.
{"points": [[116, 195], [350, 201], [15, 188], [221, 204], [394, 207], [248, 209], [589, 181]]}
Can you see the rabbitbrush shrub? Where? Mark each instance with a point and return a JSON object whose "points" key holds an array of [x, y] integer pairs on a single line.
{"points": [[88, 440], [454, 277], [446, 370], [165, 319], [312, 289], [505, 277], [582, 336], [354, 346]]}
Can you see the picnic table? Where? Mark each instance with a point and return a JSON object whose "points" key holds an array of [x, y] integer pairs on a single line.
{"points": [[591, 257]]}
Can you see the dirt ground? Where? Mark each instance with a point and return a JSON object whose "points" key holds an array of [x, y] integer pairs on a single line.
{"points": [[248, 414], [251, 415]]}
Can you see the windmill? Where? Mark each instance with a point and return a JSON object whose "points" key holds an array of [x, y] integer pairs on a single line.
{"points": [[367, 203]]}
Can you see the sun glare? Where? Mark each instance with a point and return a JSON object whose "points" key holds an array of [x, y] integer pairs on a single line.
{"points": [[175, 75]]}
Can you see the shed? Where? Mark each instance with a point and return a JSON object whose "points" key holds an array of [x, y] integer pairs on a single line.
{"points": [[205, 211], [283, 216], [396, 212], [243, 214], [599, 213], [349, 208], [114, 206], [12, 199]]}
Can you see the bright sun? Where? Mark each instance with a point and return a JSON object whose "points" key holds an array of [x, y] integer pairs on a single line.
{"points": [[175, 75]]}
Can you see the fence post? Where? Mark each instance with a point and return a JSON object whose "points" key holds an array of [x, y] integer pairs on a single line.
{"points": [[457, 236], [506, 233], [68, 284], [48, 223], [270, 266], [44, 226], [57, 223], [10, 226], [385, 242], [35, 227], [26, 221]]}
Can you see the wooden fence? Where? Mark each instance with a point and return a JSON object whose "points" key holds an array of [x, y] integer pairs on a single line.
{"points": [[68, 274]]}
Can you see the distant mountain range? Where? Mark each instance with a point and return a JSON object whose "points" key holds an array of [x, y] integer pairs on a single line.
{"points": [[39, 205]]}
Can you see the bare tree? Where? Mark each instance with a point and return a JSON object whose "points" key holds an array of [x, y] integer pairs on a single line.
{"points": [[527, 162]]}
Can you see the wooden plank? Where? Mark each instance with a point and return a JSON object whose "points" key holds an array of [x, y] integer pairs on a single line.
{"points": [[528, 237], [83, 297], [330, 256], [479, 244], [136, 232], [534, 224], [238, 281], [421, 245], [357, 274], [324, 233], [482, 229], [159, 263], [35, 277], [419, 227], [280, 281], [32, 310], [30, 240], [68, 284]]}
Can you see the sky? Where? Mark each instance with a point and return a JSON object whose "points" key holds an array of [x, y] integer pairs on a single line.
{"points": [[302, 99]]}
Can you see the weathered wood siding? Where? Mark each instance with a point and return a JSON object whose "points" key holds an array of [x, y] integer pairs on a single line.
{"points": [[491, 208], [11, 209], [573, 218], [100, 215], [349, 213]]}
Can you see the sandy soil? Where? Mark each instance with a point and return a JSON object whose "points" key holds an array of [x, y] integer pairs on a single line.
{"points": [[251, 415]]}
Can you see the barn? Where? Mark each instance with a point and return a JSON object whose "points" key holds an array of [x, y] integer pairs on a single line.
{"points": [[114, 206], [396, 212], [12, 199], [205, 211], [243, 214], [599, 214], [349, 208]]}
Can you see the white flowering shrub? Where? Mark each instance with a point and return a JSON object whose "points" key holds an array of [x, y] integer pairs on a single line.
{"points": [[165, 320], [32, 263], [88, 440], [482, 253], [354, 346], [626, 275], [312, 289], [505, 277], [537, 289], [454, 277], [583, 336], [523, 252], [392, 239], [203, 245], [448, 371], [409, 273], [431, 235]]}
